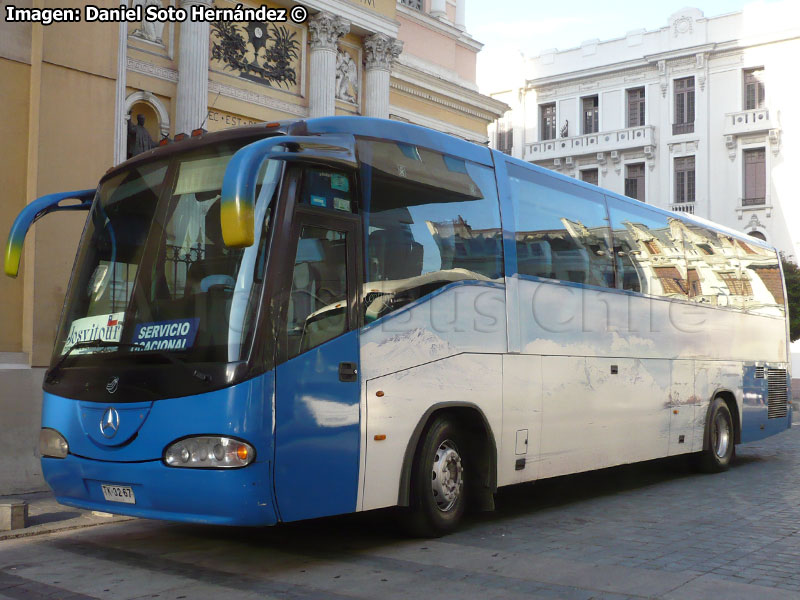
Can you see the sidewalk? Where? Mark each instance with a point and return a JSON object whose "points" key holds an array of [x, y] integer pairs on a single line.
{"points": [[45, 515]]}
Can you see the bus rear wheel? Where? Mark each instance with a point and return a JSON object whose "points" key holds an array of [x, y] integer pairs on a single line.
{"points": [[438, 497], [718, 454]]}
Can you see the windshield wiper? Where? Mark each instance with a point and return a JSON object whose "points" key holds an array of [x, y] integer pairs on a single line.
{"points": [[80, 345], [106, 344]]}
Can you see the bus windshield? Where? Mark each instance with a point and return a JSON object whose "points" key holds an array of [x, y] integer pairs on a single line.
{"points": [[153, 272]]}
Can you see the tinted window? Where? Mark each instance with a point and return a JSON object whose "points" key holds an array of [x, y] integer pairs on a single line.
{"points": [[714, 268], [328, 189], [318, 299], [648, 249], [761, 278], [561, 229], [433, 219]]}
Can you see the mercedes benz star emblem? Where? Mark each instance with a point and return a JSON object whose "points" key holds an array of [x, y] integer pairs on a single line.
{"points": [[110, 422], [112, 385]]}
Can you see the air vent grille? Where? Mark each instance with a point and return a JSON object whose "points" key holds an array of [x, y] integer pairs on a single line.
{"points": [[759, 372], [777, 396]]}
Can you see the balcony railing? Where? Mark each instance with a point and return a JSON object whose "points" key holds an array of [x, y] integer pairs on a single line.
{"points": [[684, 207], [753, 201], [748, 121], [604, 141], [680, 128]]}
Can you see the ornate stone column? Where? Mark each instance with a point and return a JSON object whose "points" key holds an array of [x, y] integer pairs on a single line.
{"points": [[120, 123], [324, 31], [192, 103], [380, 51], [438, 8], [461, 10]]}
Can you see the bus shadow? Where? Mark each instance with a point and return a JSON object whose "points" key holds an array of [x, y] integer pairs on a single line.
{"points": [[361, 531]]}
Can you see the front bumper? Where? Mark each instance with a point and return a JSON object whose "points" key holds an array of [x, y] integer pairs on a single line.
{"points": [[213, 496]]}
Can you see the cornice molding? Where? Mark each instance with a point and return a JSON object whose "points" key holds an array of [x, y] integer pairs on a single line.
{"points": [[362, 19], [443, 27], [146, 68], [215, 87], [434, 70], [452, 95]]}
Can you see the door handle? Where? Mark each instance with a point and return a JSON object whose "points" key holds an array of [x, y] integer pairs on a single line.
{"points": [[348, 371]]}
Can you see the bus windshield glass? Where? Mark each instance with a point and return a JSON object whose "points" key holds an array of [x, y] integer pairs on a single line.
{"points": [[153, 272]]}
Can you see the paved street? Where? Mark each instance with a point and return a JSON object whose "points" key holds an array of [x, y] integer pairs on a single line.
{"points": [[649, 531]]}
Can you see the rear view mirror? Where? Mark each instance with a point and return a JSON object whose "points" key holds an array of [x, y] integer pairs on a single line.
{"points": [[240, 181], [35, 211]]}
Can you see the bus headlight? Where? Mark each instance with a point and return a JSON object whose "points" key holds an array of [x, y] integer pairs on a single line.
{"points": [[209, 452], [52, 444]]}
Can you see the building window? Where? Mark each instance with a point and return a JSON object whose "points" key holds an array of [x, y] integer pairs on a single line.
{"points": [[415, 4], [754, 88], [684, 179], [590, 114], [636, 107], [505, 134], [755, 185], [758, 235], [684, 106], [590, 176], [548, 119], [634, 181]]}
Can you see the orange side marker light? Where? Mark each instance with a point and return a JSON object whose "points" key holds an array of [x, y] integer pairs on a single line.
{"points": [[241, 452], [380, 437]]}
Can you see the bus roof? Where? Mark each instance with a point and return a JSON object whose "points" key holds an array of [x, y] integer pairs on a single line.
{"points": [[408, 133]]}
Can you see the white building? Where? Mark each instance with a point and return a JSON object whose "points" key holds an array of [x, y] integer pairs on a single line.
{"points": [[700, 116]]}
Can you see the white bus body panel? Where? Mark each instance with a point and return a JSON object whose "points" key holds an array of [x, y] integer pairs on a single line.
{"points": [[522, 419], [406, 397], [559, 394], [446, 348]]}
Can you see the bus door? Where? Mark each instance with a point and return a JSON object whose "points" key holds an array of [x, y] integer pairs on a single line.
{"points": [[317, 389]]}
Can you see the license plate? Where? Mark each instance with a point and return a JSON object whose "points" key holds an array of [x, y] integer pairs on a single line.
{"points": [[118, 493]]}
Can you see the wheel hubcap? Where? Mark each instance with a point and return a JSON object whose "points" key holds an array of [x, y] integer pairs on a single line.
{"points": [[722, 435], [447, 476]]}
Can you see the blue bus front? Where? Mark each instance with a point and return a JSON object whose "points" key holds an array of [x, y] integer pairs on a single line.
{"points": [[160, 397], [158, 400]]}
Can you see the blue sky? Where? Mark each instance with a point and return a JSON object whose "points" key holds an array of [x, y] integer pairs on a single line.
{"points": [[508, 27]]}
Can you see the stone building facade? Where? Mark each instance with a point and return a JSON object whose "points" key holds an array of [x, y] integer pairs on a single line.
{"points": [[699, 116]]}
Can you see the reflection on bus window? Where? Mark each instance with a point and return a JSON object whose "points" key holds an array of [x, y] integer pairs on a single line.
{"points": [[714, 271], [433, 220], [761, 275], [648, 249], [562, 231]]}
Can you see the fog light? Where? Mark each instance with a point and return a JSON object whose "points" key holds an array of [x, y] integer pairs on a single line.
{"points": [[209, 452], [52, 444]]}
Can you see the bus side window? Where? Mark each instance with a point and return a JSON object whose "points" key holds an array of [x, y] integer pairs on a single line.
{"points": [[433, 220], [761, 279], [648, 249], [561, 230]]}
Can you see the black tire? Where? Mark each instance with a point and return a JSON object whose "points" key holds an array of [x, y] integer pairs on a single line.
{"points": [[719, 447], [436, 509]]}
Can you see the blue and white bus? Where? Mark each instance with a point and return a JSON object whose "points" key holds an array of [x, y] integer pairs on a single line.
{"points": [[300, 319]]}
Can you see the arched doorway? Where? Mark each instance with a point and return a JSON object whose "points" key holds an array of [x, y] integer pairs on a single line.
{"points": [[758, 235]]}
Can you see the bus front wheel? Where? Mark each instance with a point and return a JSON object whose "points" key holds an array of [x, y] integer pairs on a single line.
{"points": [[438, 497], [718, 454]]}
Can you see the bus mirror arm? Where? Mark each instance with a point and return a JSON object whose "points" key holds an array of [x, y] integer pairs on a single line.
{"points": [[239, 183], [32, 213]]}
